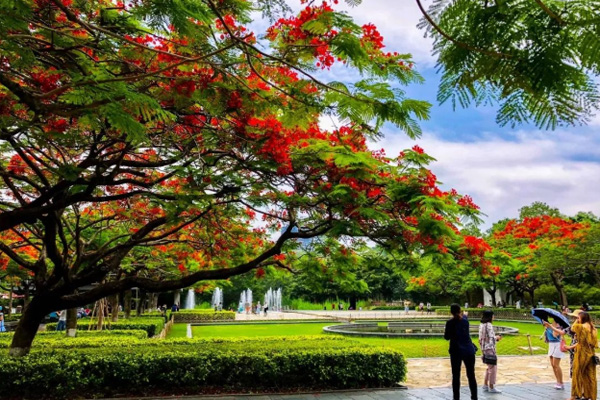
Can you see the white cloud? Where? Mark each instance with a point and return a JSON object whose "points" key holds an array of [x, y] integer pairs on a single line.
{"points": [[502, 175]]}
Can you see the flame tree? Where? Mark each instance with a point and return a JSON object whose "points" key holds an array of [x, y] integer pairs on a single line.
{"points": [[157, 144]]}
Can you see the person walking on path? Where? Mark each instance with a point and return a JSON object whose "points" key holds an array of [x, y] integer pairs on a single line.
{"points": [[584, 384], [62, 321], [462, 350], [553, 336], [487, 342]]}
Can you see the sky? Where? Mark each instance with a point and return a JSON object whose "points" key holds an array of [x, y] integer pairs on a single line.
{"points": [[502, 168]]}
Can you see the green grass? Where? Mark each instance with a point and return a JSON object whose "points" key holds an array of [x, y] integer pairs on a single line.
{"points": [[255, 330], [411, 347], [178, 331]]}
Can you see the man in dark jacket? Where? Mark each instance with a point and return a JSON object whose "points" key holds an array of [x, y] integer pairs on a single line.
{"points": [[462, 350]]}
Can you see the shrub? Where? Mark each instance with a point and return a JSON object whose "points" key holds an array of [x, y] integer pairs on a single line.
{"points": [[202, 316], [12, 317], [58, 340], [523, 314], [148, 370], [152, 326], [412, 307]]}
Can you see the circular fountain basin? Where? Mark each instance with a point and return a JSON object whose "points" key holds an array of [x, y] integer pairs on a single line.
{"points": [[406, 329]]}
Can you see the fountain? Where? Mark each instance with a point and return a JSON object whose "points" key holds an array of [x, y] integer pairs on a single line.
{"points": [[217, 299], [273, 299], [245, 300], [190, 300]]}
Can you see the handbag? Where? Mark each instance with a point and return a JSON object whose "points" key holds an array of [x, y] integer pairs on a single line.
{"points": [[489, 359], [563, 346]]}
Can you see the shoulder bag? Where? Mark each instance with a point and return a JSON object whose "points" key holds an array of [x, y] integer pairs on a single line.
{"points": [[489, 359]]}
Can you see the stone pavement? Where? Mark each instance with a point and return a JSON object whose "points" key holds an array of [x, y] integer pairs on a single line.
{"points": [[436, 372], [276, 316], [509, 392], [356, 314]]}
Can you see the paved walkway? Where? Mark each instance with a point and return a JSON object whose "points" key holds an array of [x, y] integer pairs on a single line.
{"points": [[510, 392], [392, 314], [344, 315], [436, 372], [275, 316]]}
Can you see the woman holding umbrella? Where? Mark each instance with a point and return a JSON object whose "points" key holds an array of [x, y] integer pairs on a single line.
{"points": [[553, 336], [584, 384]]}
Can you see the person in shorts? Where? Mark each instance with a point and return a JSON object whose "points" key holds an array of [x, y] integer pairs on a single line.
{"points": [[553, 338]]}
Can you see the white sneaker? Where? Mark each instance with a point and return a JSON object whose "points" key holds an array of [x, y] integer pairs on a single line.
{"points": [[486, 388], [494, 390], [559, 387]]}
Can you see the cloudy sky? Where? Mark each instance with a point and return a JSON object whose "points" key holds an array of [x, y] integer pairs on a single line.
{"points": [[503, 169]]}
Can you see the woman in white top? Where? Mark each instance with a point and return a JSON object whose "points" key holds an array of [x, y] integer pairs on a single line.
{"points": [[487, 342]]}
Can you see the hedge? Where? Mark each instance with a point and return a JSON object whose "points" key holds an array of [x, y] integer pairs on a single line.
{"points": [[202, 316], [58, 340], [401, 308], [153, 326], [191, 369]]}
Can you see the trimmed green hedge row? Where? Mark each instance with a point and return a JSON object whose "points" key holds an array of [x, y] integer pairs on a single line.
{"points": [[202, 315], [401, 308], [83, 340], [499, 313], [152, 326], [12, 317], [144, 370]]}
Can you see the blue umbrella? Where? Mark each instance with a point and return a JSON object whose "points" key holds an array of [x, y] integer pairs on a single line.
{"points": [[542, 314]]}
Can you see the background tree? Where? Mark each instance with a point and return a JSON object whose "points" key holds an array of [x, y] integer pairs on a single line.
{"points": [[544, 248], [536, 59]]}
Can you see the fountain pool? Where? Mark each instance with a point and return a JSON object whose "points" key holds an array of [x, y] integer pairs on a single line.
{"points": [[406, 329]]}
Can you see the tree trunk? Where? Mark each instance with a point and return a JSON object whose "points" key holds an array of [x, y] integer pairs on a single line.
{"points": [[141, 303], [72, 322], [26, 298], [152, 298], [10, 301], [101, 312], [557, 281], [177, 297], [532, 295], [127, 303], [114, 304], [492, 293], [27, 328]]}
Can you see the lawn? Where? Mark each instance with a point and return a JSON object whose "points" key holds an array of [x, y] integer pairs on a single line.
{"points": [[253, 330], [178, 331], [411, 347]]}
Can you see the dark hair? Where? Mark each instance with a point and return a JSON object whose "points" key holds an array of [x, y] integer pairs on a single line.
{"points": [[487, 316], [585, 317], [455, 310]]}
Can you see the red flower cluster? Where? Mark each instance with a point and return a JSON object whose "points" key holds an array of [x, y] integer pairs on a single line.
{"points": [[467, 201], [292, 31], [555, 229], [421, 281]]}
